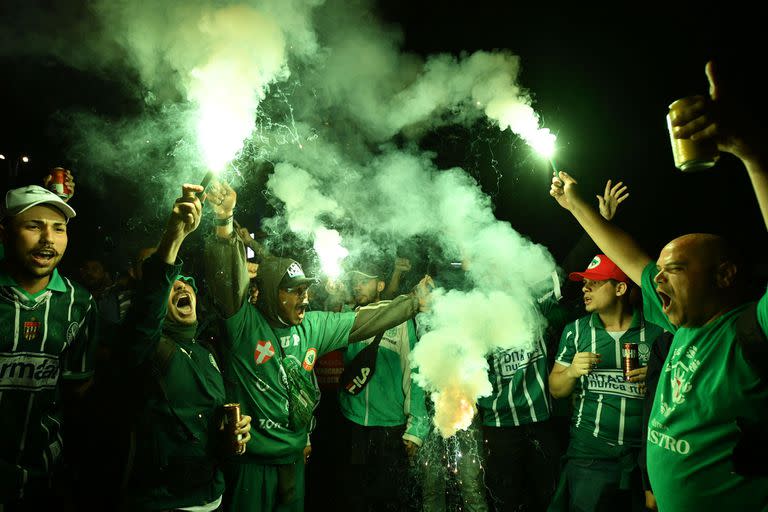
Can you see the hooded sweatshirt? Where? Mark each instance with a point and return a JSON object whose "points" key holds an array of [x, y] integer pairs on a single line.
{"points": [[258, 345]]}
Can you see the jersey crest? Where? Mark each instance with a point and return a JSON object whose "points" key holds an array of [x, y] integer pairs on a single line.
{"points": [[72, 331], [309, 359], [31, 329]]}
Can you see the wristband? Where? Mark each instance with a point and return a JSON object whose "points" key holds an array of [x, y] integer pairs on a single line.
{"points": [[224, 222]]}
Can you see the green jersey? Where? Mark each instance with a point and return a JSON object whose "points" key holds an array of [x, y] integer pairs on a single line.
{"points": [[43, 339], [390, 398], [255, 375], [520, 395], [519, 376], [606, 406], [704, 386]]}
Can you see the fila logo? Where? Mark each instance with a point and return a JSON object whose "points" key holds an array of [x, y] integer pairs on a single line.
{"points": [[360, 380]]}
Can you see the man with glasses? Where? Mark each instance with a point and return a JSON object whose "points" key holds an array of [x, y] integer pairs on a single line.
{"points": [[600, 472], [269, 352]]}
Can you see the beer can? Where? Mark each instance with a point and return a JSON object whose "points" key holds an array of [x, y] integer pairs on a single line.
{"points": [[629, 358], [58, 183], [231, 418], [691, 155]]}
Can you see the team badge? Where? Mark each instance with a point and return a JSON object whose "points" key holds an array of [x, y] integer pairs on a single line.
{"points": [[595, 262], [264, 352], [31, 329], [309, 359], [644, 351], [72, 331]]}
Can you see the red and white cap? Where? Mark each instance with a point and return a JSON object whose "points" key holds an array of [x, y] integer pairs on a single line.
{"points": [[601, 268]]}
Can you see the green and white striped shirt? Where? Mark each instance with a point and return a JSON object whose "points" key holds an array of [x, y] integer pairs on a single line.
{"points": [[520, 394], [42, 337], [605, 405]]}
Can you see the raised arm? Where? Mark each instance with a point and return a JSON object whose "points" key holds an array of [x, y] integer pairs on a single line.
{"points": [[374, 318], [149, 306], [728, 116], [608, 204], [612, 240], [226, 268]]}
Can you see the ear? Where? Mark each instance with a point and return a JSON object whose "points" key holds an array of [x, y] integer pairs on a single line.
{"points": [[621, 289], [380, 285], [726, 274]]}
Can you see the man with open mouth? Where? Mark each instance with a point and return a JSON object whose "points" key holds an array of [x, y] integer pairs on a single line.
{"points": [[178, 393], [706, 445], [271, 349], [47, 337]]}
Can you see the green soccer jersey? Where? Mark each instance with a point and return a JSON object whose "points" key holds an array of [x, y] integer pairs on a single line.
{"points": [[255, 375], [43, 339], [390, 398], [606, 406], [520, 395], [704, 386]]}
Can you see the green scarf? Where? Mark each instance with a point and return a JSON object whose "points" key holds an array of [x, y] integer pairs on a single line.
{"points": [[180, 332]]}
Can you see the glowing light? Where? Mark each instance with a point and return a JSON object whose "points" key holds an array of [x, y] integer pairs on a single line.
{"points": [[25, 159], [245, 52], [453, 411], [543, 142], [329, 251], [2, 157]]}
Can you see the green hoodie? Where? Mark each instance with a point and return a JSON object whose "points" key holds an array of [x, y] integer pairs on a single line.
{"points": [[178, 444], [257, 342]]}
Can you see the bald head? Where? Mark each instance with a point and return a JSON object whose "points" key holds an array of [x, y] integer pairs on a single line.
{"points": [[697, 279]]}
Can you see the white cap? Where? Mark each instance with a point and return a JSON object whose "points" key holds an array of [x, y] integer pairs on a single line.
{"points": [[21, 199]]}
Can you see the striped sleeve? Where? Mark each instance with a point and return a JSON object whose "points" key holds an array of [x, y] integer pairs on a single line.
{"points": [[568, 344], [78, 360]]}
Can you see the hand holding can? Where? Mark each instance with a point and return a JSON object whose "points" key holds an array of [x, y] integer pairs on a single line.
{"points": [[60, 182], [630, 359], [689, 154], [237, 427]]}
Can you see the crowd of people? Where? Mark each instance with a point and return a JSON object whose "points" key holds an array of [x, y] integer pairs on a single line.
{"points": [[118, 393]]}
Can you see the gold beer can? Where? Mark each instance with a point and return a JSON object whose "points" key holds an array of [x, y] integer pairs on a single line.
{"points": [[231, 418], [691, 155]]}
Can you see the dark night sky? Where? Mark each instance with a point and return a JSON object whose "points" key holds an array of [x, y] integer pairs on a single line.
{"points": [[602, 80]]}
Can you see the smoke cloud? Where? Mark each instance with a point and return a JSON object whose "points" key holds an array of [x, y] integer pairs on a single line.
{"points": [[323, 91]]}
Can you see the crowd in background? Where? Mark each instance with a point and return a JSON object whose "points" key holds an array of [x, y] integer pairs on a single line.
{"points": [[113, 390]]}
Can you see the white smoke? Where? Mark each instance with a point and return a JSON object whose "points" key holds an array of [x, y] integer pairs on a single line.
{"points": [[339, 109]]}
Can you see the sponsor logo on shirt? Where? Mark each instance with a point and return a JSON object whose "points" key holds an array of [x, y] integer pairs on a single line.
{"points": [[268, 424], [512, 360], [28, 371], [610, 381], [309, 359], [264, 352], [680, 372], [285, 341], [680, 446]]}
